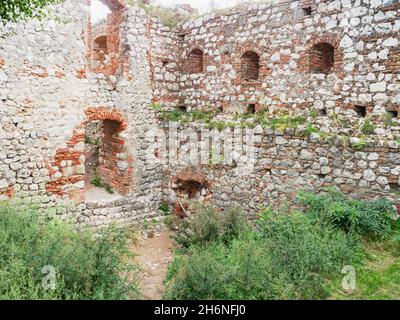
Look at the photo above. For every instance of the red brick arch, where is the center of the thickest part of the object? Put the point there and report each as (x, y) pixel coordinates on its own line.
(112, 30)
(191, 176)
(194, 61)
(62, 178)
(103, 113)
(238, 63)
(330, 39)
(114, 5)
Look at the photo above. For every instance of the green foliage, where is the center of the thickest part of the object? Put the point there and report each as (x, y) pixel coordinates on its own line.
(207, 225)
(367, 127)
(313, 113)
(239, 271)
(310, 129)
(164, 208)
(96, 181)
(176, 115)
(285, 258)
(87, 266)
(306, 251)
(294, 256)
(15, 10)
(109, 189)
(283, 122)
(378, 275)
(88, 140)
(364, 217)
(361, 144)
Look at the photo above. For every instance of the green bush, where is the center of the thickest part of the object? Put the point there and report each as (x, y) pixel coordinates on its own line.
(87, 266)
(208, 225)
(364, 217)
(286, 257)
(306, 251)
(241, 270)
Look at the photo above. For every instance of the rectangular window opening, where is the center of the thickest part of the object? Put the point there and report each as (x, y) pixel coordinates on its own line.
(361, 111)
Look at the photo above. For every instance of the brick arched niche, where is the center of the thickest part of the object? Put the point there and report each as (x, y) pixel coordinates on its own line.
(106, 156)
(194, 62)
(189, 186)
(322, 55)
(322, 58)
(69, 174)
(250, 66)
(104, 40)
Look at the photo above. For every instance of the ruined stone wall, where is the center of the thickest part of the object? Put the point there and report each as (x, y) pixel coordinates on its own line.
(163, 56)
(285, 163)
(363, 34)
(48, 93)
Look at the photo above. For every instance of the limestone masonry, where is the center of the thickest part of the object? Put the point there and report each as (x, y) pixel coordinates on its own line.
(78, 100)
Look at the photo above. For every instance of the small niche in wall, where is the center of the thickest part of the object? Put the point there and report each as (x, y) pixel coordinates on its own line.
(393, 113)
(195, 62)
(361, 111)
(394, 187)
(322, 58)
(322, 112)
(307, 11)
(251, 108)
(250, 66)
(165, 62)
(182, 108)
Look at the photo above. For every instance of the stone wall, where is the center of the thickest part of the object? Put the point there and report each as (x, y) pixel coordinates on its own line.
(48, 93)
(258, 57)
(364, 36)
(285, 163)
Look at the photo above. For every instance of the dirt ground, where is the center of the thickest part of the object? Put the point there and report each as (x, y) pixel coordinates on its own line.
(153, 254)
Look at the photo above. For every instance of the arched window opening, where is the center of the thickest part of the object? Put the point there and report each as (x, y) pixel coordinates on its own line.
(189, 187)
(195, 63)
(100, 51)
(250, 66)
(106, 17)
(322, 58)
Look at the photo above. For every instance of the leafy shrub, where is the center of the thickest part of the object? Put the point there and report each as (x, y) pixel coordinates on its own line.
(307, 252)
(23, 9)
(164, 208)
(285, 258)
(87, 266)
(239, 271)
(365, 217)
(207, 225)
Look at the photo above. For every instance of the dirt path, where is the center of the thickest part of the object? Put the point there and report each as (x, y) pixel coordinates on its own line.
(153, 254)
